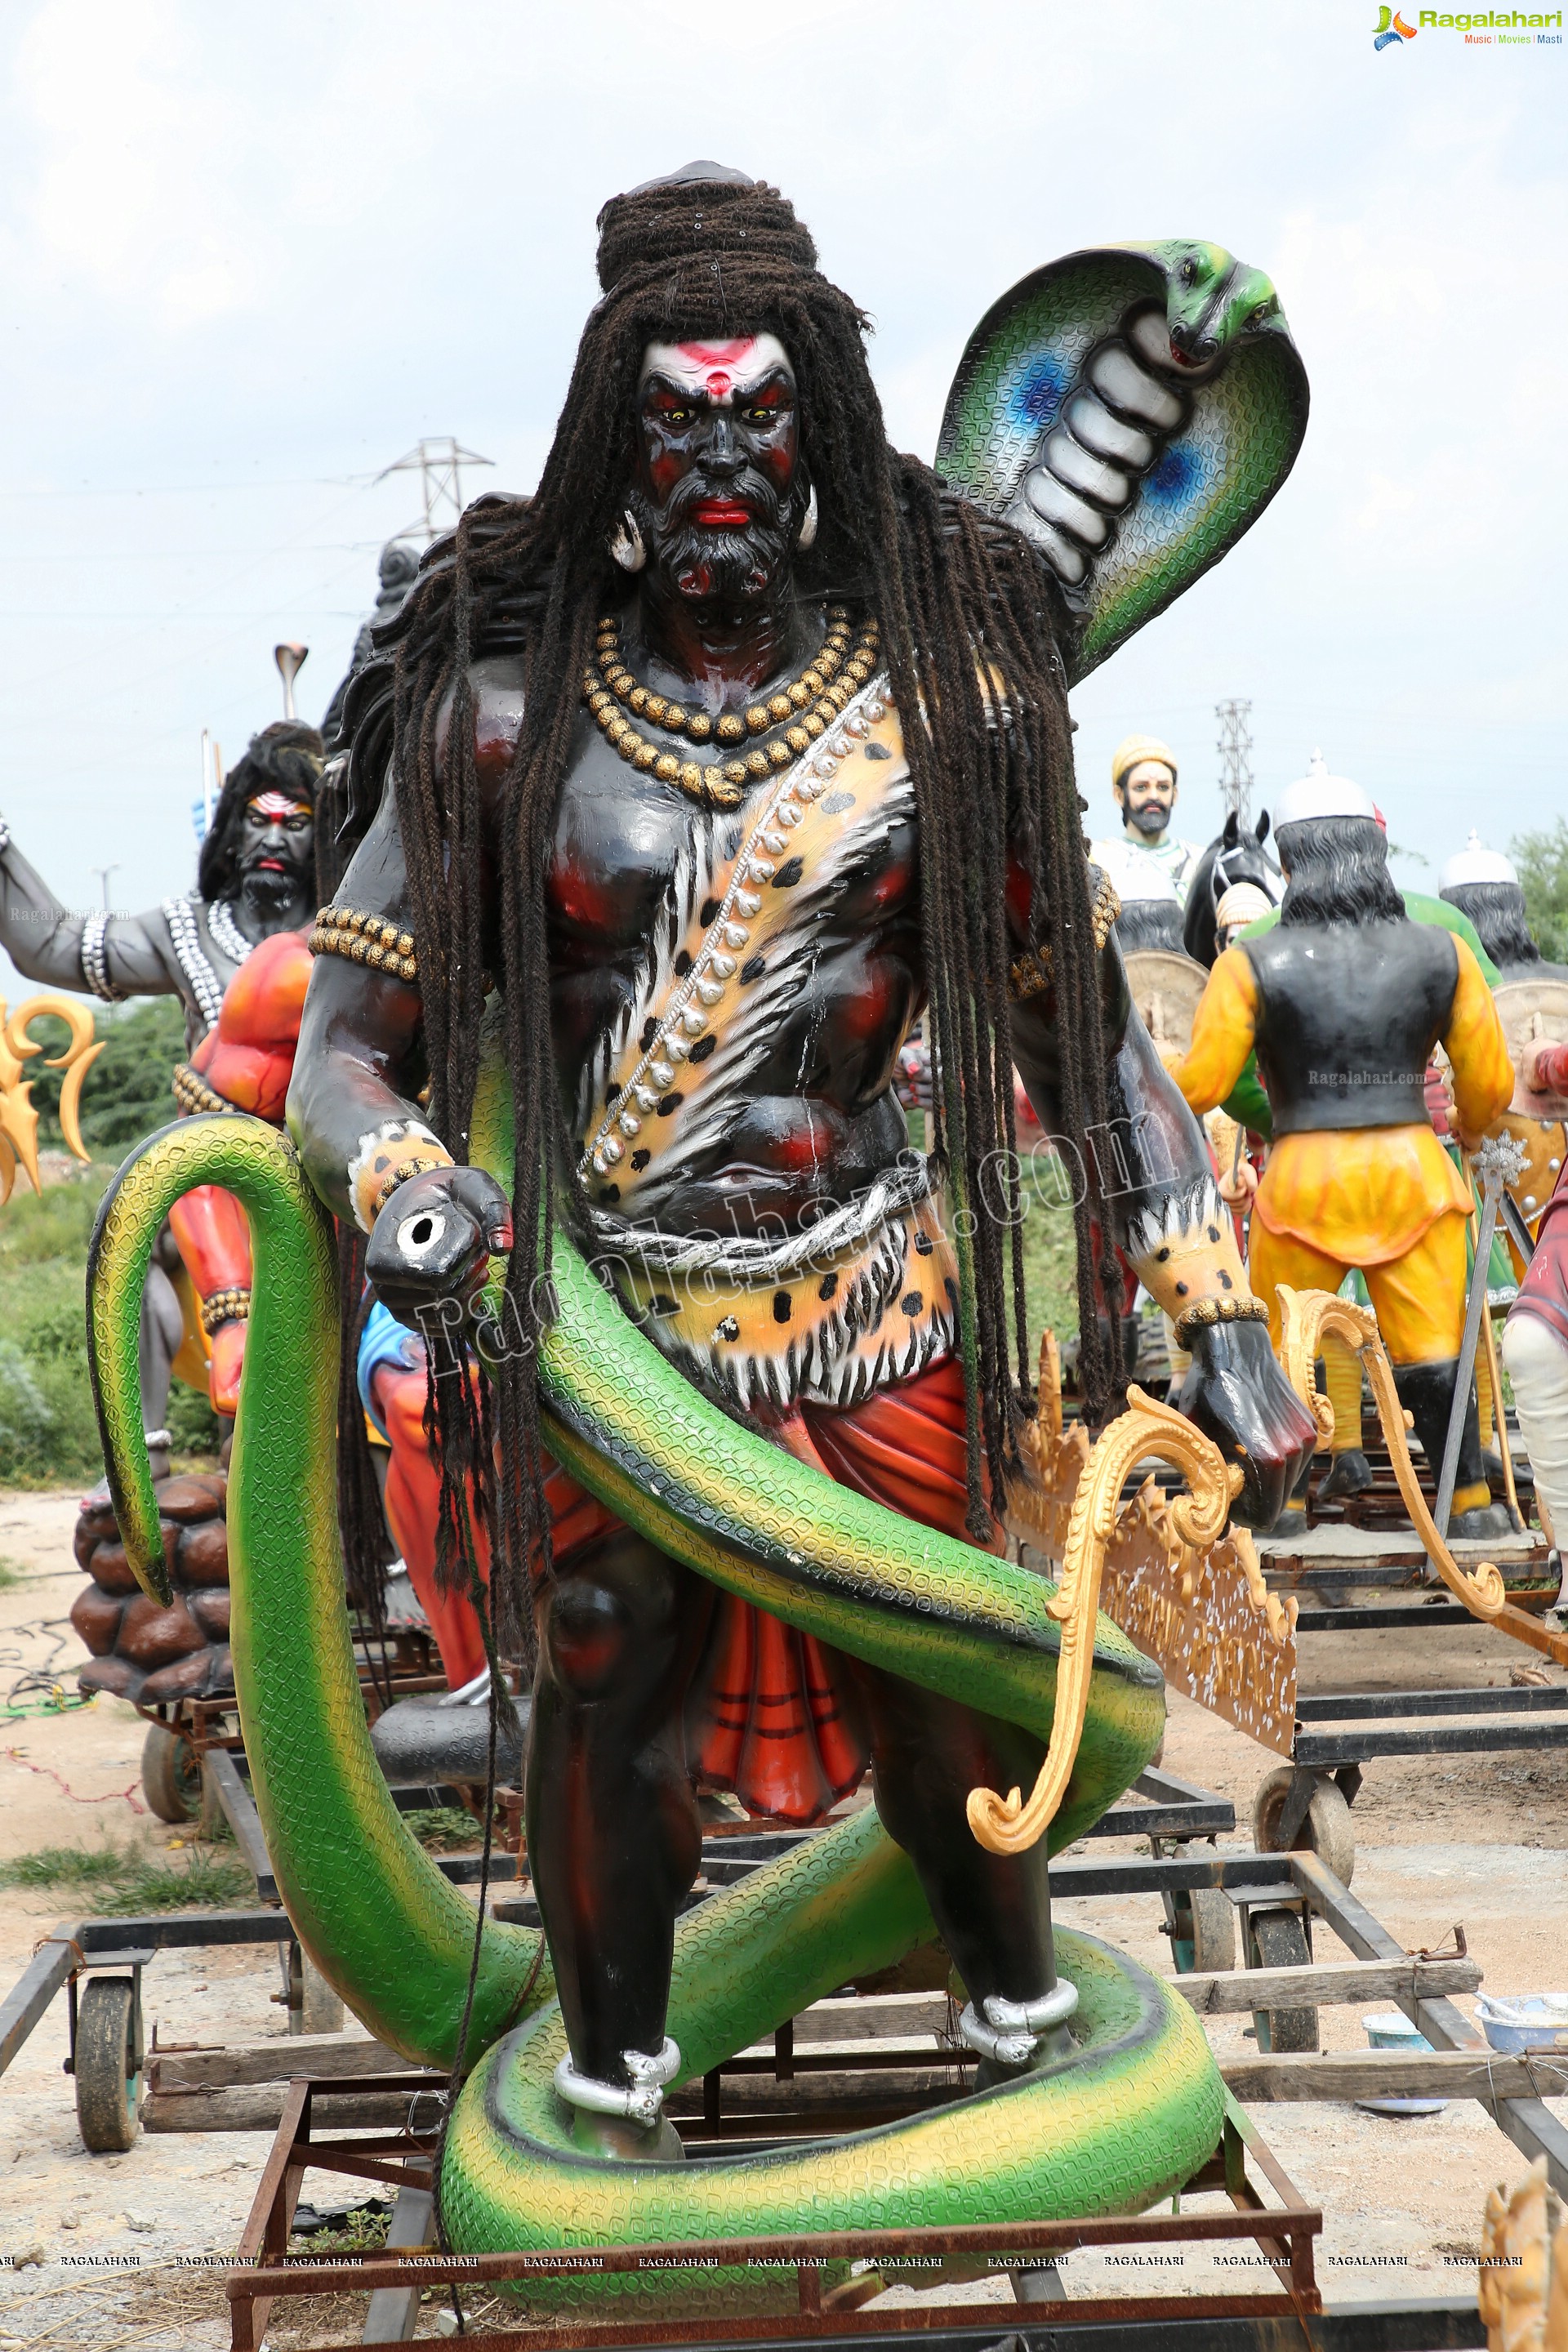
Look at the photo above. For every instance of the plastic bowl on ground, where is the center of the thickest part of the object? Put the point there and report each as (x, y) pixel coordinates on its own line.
(1392, 2030)
(1535, 2021)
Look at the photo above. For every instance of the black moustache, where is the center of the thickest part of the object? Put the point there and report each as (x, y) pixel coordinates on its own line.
(749, 488)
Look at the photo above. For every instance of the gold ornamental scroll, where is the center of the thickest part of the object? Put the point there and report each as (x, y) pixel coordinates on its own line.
(1307, 1318)
(1204, 1616)
(1204, 1622)
(18, 1119)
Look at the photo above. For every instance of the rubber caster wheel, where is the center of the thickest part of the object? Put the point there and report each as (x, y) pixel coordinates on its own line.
(1277, 1940)
(170, 1774)
(1327, 1831)
(1202, 1930)
(108, 2066)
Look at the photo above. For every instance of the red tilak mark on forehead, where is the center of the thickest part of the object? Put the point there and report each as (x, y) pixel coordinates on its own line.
(278, 804)
(716, 355)
(719, 366)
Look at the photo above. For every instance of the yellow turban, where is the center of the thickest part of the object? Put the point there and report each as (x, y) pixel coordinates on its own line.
(1134, 748)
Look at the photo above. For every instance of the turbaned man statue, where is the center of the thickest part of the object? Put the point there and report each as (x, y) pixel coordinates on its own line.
(575, 743)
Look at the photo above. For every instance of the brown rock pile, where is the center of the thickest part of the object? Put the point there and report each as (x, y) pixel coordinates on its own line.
(141, 1650)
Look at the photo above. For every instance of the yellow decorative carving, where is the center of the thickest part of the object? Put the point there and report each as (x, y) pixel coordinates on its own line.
(1522, 2283)
(1205, 1617)
(18, 1119)
(1308, 1318)
(1009, 1825)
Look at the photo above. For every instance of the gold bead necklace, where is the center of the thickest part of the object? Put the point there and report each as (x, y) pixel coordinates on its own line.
(788, 721)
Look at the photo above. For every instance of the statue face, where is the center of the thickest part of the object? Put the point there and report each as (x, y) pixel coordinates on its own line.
(276, 847)
(718, 449)
(1148, 794)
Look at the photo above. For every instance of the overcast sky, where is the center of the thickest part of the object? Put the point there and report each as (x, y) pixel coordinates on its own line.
(251, 255)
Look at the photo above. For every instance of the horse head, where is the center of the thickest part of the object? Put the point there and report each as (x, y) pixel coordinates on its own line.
(1233, 855)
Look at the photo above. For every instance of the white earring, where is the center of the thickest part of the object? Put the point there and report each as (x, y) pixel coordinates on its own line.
(806, 535)
(626, 546)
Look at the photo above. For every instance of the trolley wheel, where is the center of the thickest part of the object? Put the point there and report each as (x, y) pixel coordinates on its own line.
(108, 2066)
(1277, 1940)
(1202, 1928)
(170, 1774)
(1327, 1831)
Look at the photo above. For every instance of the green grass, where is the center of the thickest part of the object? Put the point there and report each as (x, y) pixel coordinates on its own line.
(122, 1882)
(9, 1572)
(363, 2232)
(444, 1829)
(48, 1435)
(1050, 1279)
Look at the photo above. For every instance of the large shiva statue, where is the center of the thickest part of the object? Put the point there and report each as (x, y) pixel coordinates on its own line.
(684, 789)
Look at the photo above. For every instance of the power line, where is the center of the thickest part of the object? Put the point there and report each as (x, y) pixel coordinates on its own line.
(1235, 749)
(439, 465)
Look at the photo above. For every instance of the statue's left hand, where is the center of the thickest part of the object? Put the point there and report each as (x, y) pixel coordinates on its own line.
(1237, 1394)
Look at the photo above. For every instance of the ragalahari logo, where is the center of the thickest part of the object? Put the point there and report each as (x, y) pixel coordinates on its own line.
(1392, 29)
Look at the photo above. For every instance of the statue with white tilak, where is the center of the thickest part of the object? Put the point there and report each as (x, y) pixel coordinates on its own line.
(1144, 787)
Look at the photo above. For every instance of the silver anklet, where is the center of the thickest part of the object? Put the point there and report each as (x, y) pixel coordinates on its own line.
(1010, 2030)
(640, 2102)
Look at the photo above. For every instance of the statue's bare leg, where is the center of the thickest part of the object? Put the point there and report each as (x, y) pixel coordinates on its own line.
(613, 1836)
(994, 1910)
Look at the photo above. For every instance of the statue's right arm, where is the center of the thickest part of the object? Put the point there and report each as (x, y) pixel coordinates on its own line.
(354, 1119)
(356, 1070)
(43, 939)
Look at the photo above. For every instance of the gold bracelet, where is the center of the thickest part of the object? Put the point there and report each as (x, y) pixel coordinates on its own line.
(364, 939)
(193, 1093)
(1205, 1313)
(405, 1171)
(231, 1306)
(1031, 973)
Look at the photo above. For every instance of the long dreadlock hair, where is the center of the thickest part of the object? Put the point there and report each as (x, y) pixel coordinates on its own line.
(969, 639)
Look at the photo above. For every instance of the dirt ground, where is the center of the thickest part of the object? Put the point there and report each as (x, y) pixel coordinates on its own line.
(124, 2251)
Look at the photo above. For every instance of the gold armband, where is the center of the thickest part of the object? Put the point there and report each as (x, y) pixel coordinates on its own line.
(231, 1306)
(193, 1093)
(365, 938)
(1031, 973)
(1205, 1313)
(404, 1170)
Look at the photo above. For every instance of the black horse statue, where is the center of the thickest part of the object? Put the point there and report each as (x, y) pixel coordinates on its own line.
(1232, 856)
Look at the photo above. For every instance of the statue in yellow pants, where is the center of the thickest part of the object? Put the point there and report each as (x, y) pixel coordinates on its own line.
(1344, 1000)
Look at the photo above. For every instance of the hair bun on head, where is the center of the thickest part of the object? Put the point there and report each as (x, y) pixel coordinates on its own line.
(703, 211)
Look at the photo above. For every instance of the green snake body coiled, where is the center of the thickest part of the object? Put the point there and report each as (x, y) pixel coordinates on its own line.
(1122, 2122)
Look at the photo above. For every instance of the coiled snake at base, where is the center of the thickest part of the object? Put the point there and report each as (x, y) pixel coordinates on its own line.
(1120, 2122)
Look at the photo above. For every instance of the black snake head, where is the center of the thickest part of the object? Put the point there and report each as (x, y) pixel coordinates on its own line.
(434, 1238)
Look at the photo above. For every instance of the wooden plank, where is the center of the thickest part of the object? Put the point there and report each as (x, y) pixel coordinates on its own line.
(277, 2060)
(394, 2313)
(262, 2108)
(1486, 2076)
(36, 1988)
(869, 2016)
(1327, 1984)
(1528, 2121)
(240, 1811)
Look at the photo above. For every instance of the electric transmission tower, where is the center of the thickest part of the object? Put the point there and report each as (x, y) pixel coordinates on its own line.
(439, 465)
(1235, 749)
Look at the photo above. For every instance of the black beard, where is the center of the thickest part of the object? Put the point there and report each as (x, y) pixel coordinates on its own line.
(1149, 819)
(734, 567)
(270, 892)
